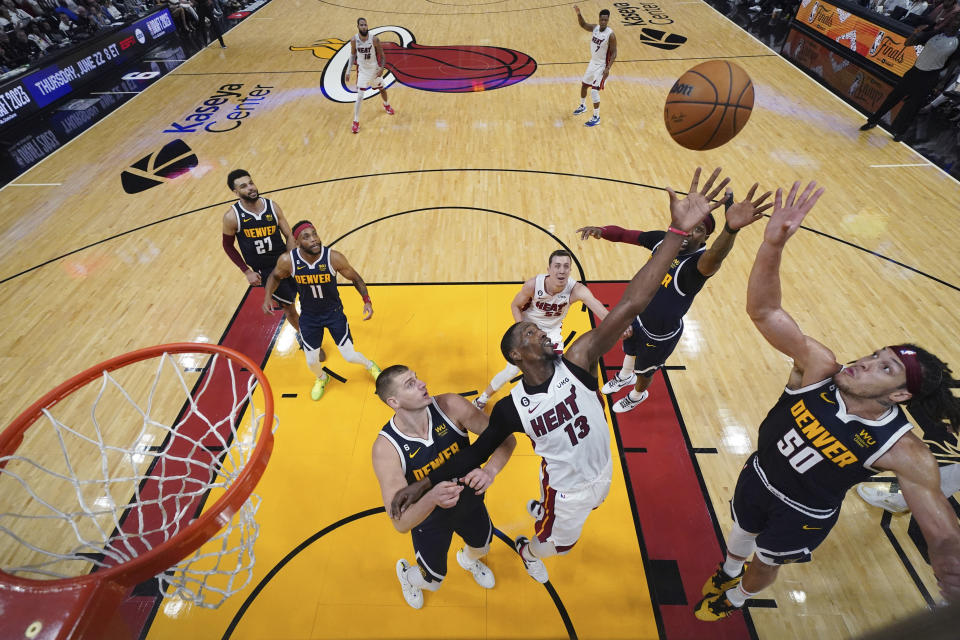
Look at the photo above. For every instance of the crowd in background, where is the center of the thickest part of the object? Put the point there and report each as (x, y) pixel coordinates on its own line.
(32, 29)
(935, 131)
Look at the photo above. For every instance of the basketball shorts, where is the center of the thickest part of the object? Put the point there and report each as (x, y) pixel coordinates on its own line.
(594, 75)
(367, 78)
(651, 353)
(286, 291)
(785, 533)
(565, 512)
(312, 327)
(431, 540)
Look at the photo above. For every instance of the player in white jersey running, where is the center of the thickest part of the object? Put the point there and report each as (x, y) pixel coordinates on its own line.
(557, 404)
(545, 301)
(366, 54)
(603, 51)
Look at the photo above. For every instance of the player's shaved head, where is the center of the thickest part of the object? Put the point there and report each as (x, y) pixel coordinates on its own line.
(387, 380)
(509, 341)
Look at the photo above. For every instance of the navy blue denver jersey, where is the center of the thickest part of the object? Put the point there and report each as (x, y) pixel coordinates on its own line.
(664, 314)
(420, 457)
(812, 451)
(259, 237)
(316, 283)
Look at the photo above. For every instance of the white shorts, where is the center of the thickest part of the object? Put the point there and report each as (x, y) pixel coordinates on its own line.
(369, 79)
(594, 75)
(565, 512)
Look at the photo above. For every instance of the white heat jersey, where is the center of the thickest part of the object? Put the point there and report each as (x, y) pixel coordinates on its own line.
(568, 429)
(366, 54)
(599, 43)
(547, 310)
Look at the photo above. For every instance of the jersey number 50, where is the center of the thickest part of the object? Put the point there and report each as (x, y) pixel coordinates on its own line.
(800, 455)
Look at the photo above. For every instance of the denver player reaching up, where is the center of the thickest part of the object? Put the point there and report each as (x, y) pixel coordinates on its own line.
(832, 427)
(557, 405)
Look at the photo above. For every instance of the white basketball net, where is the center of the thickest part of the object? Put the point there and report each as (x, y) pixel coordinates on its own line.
(127, 462)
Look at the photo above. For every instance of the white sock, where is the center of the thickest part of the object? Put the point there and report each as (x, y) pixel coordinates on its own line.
(472, 554)
(385, 103)
(627, 368)
(527, 553)
(583, 102)
(356, 106)
(636, 395)
(732, 567)
(738, 595)
(483, 397)
(596, 112)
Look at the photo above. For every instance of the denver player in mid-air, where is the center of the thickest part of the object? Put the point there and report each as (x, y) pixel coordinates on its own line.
(832, 427)
(424, 434)
(657, 331)
(557, 405)
(603, 51)
(263, 234)
(314, 268)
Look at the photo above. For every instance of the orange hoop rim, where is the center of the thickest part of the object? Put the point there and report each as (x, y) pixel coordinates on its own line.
(206, 525)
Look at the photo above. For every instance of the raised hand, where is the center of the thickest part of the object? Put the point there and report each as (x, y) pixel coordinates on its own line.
(789, 213)
(686, 213)
(747, 211)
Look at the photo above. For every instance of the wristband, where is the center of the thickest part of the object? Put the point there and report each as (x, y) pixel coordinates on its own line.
(726, 227)
(679, 232)
(366, 300)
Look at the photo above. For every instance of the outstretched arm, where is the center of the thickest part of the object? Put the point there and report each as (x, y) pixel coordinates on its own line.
(919, 480)
(339, 262)
(738, 216)
(763, 290)
(581, 293)
(475, 421)
(585, 25)
(611, 232)
(685, 214)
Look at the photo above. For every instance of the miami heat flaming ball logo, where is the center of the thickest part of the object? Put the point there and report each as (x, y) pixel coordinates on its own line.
(446, 69)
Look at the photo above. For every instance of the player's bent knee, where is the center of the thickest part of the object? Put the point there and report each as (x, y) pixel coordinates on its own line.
(595, 95)
(313, 356)
(741, 543)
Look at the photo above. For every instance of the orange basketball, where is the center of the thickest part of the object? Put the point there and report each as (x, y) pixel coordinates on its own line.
(708, 105)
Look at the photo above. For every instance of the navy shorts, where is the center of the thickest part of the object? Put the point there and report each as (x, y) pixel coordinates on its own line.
(650, 353)
(786, 534)
(431, 540)
(312, 327)
(286, 291)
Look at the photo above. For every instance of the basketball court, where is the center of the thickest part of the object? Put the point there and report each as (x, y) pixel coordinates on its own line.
(445, 209)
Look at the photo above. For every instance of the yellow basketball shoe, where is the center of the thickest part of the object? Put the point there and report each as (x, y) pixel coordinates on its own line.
(714, 607)
(319, 387)
(720, 582)
(374, 370)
